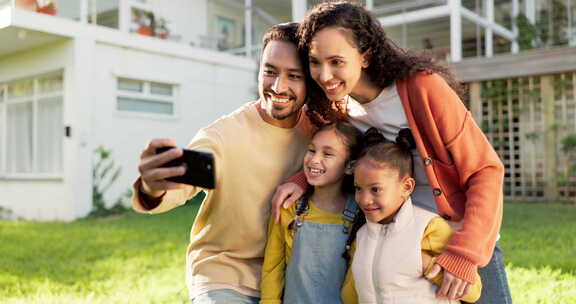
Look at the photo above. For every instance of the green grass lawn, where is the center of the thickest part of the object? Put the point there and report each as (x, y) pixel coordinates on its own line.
(140, 258)
(539, 243)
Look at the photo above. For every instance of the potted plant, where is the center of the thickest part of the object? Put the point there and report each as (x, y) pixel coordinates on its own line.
(146, 24)
(49, 8)
(162, 31)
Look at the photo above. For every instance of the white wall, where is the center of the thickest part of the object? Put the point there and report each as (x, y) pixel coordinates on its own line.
(185, 18)
(206, 92)
(41, 199)
(44, 200)
(210, 85)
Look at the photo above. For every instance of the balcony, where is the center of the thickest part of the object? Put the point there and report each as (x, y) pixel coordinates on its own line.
(451, 29)
(458, 29)
(230, 26)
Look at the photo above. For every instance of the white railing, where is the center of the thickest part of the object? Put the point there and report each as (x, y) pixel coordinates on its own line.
(404, 6)
(241, 51)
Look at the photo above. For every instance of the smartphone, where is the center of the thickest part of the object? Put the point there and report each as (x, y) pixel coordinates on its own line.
(199, 168)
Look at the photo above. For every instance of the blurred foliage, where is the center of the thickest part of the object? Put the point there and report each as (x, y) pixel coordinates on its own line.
(104, 173)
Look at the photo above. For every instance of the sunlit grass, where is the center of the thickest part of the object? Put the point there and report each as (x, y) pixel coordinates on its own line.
(541, 285)
(140, 258)
(133, 259)
(539, 243)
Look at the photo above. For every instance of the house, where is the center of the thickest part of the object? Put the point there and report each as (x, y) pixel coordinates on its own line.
(81, 74)
(91, 75)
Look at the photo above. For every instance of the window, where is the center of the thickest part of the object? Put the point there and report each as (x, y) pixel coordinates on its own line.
(31, 126)
(138, 96)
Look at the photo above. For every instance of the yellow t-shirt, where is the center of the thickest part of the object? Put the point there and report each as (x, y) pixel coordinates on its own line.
(279, 250)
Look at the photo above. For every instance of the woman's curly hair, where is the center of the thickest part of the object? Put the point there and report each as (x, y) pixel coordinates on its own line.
(387, 61)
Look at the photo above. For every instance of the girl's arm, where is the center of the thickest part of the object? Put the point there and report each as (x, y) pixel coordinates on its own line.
(348, 292)
(274, 266)
(436, 236)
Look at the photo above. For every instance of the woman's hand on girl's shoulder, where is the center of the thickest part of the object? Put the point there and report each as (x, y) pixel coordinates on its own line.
(285, 196)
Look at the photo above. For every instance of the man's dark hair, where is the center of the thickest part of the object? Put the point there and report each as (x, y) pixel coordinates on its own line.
(281, 32)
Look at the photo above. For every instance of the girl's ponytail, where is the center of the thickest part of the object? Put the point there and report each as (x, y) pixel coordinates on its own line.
(359, 220)
(395, 154)
(373, 137)
(405, 140)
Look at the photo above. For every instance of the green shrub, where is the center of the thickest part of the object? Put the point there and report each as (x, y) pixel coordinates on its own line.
(104, 173)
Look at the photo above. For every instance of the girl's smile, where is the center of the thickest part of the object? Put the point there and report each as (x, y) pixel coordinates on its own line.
(370, 210)
(315, 172)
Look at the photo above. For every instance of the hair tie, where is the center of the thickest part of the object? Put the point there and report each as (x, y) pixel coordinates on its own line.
(372, 137)
(405, 140)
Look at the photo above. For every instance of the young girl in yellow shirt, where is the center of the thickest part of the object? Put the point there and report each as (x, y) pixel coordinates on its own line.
(303, 261)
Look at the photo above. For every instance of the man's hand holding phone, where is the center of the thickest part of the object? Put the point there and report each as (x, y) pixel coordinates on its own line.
(199, 167)
(164, 167)
(153, 175)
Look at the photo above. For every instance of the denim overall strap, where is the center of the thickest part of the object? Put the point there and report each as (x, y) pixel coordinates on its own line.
(350, 210)
(316, 270)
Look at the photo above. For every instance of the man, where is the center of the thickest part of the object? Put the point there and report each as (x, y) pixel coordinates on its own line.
(255, 148)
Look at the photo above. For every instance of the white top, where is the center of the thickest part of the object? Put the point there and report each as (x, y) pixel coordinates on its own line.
(386, 114)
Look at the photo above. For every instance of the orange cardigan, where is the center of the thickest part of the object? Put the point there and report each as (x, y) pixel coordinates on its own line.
(464, 171)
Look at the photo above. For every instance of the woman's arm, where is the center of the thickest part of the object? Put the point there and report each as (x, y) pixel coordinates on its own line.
(436, 236)
(288, 193)
(479, 174)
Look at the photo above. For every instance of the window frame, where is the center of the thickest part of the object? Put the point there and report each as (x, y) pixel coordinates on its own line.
(35, 99)
(147, 95)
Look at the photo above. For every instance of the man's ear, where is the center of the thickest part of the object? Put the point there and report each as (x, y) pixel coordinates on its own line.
(350, 167)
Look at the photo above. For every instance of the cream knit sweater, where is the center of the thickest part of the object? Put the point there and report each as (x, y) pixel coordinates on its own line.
(228, 236)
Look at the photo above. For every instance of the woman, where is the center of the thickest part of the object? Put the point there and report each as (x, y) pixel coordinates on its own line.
(359, 73)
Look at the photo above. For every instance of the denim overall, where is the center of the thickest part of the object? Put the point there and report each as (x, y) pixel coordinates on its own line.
(316, 270)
